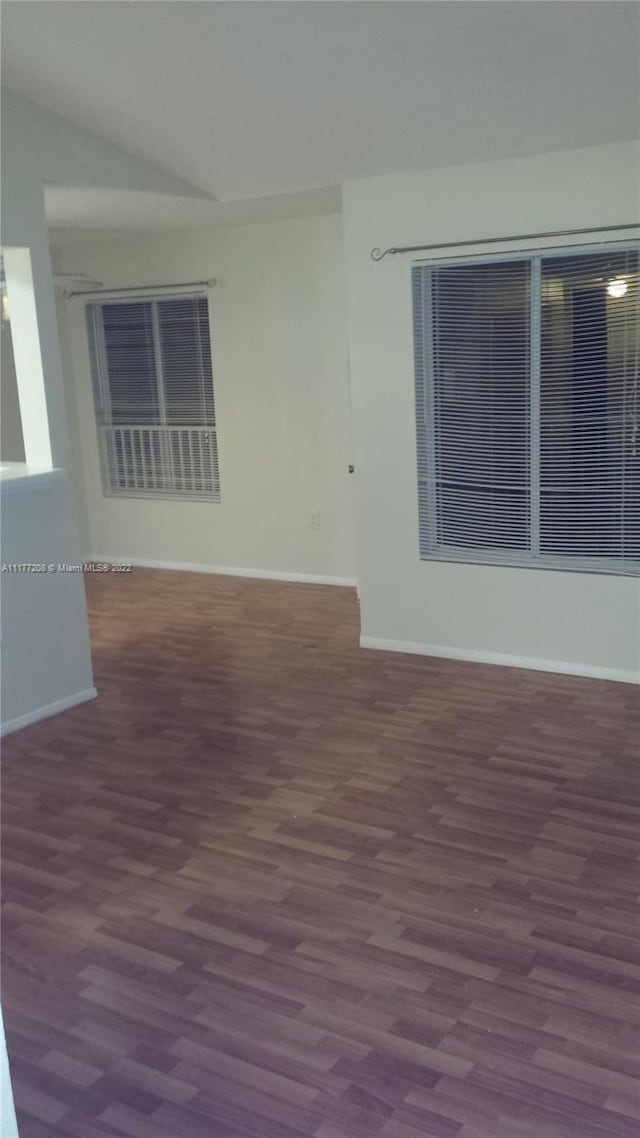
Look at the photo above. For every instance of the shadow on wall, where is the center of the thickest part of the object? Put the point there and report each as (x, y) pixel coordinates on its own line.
(24, 400)
(11, 440)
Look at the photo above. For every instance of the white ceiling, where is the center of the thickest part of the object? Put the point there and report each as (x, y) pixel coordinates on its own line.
(248, 100)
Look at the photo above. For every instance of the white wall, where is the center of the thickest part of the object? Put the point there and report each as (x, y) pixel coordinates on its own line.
(45, 658)
(36, 411)
(45, 644)
(8, 1125)
(583, 622)
(12, 442)
(281, 389)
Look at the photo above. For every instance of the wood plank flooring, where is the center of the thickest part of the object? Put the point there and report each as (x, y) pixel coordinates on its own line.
(273, 886)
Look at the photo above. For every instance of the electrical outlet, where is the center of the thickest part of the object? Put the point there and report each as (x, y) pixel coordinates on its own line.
(314, 519)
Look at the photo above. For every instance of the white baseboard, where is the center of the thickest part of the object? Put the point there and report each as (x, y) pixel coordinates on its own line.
(46, 711)
(226, 570)
(565, 667)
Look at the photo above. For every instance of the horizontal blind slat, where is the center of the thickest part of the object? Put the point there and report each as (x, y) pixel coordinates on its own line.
(153, 381)
(479, 427)
(472, 344)
(589, 384)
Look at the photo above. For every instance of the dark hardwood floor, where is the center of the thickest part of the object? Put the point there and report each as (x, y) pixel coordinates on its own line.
(269, 885)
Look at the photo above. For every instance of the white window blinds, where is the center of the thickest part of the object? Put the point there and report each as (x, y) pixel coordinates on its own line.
(153, 385)
(527, 406)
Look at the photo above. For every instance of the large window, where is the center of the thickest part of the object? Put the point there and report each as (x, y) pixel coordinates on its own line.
(153, 385)
(528, 410)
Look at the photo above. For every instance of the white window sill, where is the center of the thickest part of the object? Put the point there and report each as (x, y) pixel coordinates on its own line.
(19, 476)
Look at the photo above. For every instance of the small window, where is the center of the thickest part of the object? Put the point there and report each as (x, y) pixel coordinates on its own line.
(153, 387)
(528, 409)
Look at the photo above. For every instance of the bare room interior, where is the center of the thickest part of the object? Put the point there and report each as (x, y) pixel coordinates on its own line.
(320, 505)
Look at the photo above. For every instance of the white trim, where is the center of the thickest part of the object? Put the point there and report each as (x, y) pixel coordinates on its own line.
(48, 709)
(225, 570)
(565, 667)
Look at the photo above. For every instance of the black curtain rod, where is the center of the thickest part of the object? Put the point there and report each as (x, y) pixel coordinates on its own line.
(141, 288)
(377, 254)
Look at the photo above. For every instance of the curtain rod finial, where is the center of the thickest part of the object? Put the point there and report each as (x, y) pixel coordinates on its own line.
(377, 254)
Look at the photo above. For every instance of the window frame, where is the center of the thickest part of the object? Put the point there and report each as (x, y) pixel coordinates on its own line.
(103, 411)
(424, 387)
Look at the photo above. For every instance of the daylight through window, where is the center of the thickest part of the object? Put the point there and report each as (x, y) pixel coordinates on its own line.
(153, 385)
